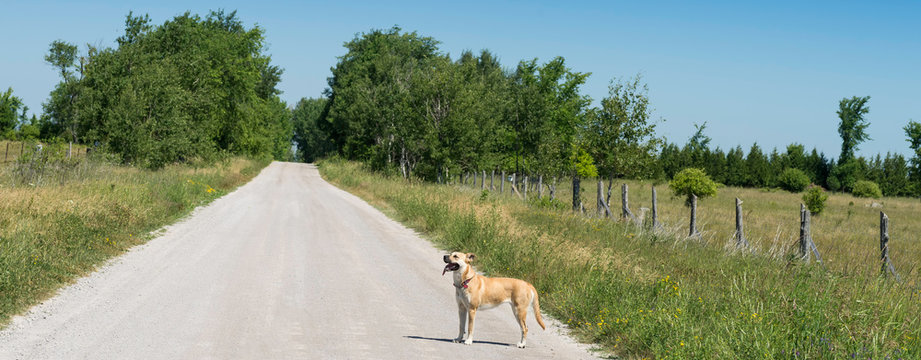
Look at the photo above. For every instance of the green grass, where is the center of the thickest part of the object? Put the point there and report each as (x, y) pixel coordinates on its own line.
(641, 295)
(62, 222)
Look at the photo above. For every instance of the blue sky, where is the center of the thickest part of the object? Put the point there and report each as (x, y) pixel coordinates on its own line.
(770, 73)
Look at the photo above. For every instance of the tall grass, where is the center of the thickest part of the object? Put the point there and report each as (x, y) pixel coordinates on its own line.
(89, 211)
(657, 295)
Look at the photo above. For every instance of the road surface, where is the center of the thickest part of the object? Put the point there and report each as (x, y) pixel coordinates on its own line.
(286, 267)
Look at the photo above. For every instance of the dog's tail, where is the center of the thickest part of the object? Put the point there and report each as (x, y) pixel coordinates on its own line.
(536, 306)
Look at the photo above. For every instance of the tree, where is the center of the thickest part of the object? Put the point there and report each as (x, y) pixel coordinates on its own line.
(853, 125)
(312, 141)
(10, 106)
(692, 181)
(793, 180)
(697, 147)
(190, 88)
(758, 167)
(736, 169)
(371, 112)
(546, 114)
(620, 135)
(60, 106)
(913, 132)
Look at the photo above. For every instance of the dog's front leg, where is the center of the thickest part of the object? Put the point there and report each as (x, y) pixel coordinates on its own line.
(471, 313)
(462, 319)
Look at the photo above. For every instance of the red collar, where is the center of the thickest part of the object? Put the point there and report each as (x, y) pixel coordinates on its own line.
(463, 285)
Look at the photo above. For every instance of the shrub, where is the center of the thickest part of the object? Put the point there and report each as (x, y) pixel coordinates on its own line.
(815, 198)
(866, 188)
(691, 181)
(794, 180)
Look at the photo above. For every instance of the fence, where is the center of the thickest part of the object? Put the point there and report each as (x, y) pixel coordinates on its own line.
(11, 151)
(804, 249)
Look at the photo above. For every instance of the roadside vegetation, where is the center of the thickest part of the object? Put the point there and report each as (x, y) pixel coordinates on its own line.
(641, 294)
(65, 220)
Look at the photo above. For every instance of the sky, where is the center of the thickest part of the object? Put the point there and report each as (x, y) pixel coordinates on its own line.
(768, 72)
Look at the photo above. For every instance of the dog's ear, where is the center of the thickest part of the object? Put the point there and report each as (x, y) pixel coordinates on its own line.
(470, 257)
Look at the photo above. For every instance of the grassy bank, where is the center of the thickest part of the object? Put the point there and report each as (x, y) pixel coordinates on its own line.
(61, 222)
(643, 295)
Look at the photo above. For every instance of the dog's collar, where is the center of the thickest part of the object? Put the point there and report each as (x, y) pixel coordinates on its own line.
(463, 285)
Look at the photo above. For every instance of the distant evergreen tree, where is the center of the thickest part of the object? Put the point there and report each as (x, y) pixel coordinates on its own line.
(736, 168)
(759, 168)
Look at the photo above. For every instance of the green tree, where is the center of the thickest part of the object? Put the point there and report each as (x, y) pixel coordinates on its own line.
(853, 126)
(793, 180)
(814, 199)
(758, 167)
(866, 188)
(913, 134)
(546, 114)
(371, 112)
(692, 181)
(620, 134)
(60, 106)
(736, 170)
(312, 141)
(10, 105)
(190, 88)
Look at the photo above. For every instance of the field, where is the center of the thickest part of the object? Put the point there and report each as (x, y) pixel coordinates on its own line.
(61, 219)
(846, 233)
(638, 294)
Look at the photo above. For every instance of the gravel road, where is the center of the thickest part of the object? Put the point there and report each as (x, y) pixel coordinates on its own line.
(285, 267)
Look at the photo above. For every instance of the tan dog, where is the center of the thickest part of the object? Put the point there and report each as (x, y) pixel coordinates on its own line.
(476, 292)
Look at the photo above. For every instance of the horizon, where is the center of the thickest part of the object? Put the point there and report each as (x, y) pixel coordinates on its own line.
(771, 75)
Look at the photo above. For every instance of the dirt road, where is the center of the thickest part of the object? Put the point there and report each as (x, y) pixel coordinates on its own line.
(286, 267)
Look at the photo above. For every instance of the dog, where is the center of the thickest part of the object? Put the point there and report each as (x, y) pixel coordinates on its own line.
(475, 292)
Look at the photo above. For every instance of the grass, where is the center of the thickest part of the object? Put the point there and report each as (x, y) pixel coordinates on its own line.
(639, 294)
(11, 151)
(62, 222)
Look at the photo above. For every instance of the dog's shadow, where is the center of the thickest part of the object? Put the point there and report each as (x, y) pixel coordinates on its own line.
(452, 340)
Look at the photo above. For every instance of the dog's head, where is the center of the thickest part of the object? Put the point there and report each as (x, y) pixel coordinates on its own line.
(457, 261)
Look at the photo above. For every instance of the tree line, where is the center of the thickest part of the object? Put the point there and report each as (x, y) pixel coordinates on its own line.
(398, 103)
(198, 87)
(190, 88)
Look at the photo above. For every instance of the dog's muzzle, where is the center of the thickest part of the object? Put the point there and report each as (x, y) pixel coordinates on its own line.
(450, 267)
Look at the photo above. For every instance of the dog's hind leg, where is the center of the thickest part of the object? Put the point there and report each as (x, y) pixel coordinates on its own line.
(521, 313)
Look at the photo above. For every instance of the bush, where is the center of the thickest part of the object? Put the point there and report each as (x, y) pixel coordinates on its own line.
(866, 188)
(691, 181)
(815, 198)
(793, 180)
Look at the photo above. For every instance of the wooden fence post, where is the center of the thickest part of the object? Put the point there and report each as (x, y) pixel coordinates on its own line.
(886, 265)
(552, 188)
(625, 208)
(483, 181)
(804, 232)
(474, 177)
(655, 210)
(600, 203)
(740, 234)
(502, 183)
(540, 186)
(7, 154)
(492, 178)
(693, 226)
(576, 199)
(70, 148)
(525, 192)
